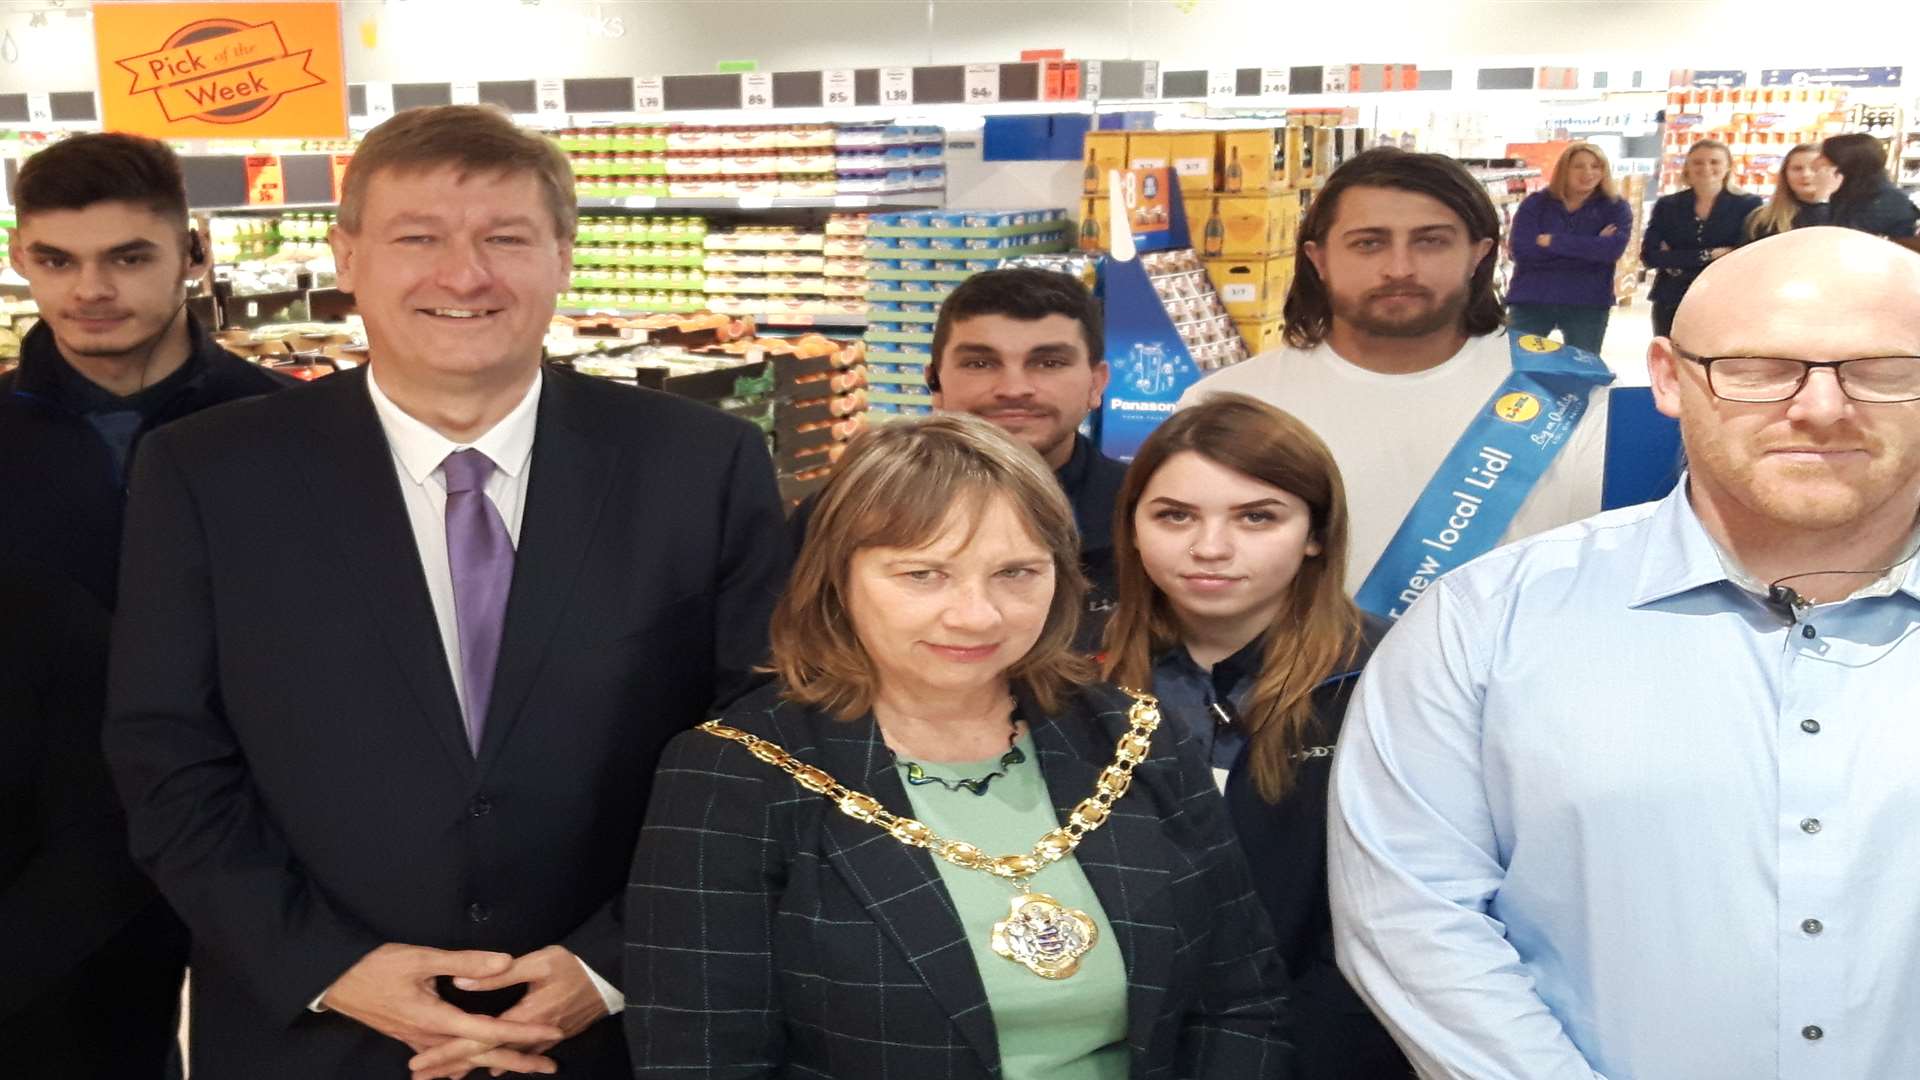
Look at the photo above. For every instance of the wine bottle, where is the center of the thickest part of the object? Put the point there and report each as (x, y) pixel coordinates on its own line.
(1214, 242)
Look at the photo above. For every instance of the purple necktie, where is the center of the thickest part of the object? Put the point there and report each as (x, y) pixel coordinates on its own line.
(480, 554)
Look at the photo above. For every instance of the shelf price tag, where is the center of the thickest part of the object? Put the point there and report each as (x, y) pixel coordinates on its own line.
(40, 108)
(982, 84)
(1337, 79)
(650, 94)
(550, 97)
(379, 101)
(339, 164)
(265, 184)
(1223, 85)
(756, 90)
(836, 88)
(1150, 79)
(466, 93)
(1275, 82)
(896, 86)
(1090, 83)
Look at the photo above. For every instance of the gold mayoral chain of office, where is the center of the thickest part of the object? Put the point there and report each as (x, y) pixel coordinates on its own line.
(1039, 933)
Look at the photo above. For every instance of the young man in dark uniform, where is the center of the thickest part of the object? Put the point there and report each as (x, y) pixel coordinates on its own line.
(104, 244)
(1024, 348)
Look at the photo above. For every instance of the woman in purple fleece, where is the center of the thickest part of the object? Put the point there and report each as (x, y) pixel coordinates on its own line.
(1565, 242)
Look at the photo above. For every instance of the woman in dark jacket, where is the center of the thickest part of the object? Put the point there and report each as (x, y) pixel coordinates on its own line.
(1231, 539)
(1800, 192)
(1690, 228)
(1866, 199)
(1565, 242)
(1059, 896)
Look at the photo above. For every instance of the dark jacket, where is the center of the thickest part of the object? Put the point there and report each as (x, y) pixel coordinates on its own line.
(1577, 267)
(283, 725)
(1336, 1036)
(825, 948)
(1805, 216)
(96, 938)
(1688, 240)
(1883, 211)
(62, 481)
(1092, 482)
(93, 958)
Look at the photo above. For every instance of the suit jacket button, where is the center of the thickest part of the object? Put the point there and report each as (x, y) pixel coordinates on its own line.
(478, 912)
(481, 806)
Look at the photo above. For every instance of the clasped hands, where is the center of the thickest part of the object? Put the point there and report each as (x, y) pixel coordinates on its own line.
(391, 990)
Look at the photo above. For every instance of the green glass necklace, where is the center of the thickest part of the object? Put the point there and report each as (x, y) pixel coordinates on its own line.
(917, 776)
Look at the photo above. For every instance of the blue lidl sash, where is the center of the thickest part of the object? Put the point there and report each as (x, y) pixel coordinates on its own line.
(1471, 500)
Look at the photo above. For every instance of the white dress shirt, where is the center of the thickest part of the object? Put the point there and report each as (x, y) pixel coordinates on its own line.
(418, 451)
(1599, 810)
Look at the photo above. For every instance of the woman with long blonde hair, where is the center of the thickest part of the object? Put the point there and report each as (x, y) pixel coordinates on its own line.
(1692, 227)
(1800, 192)
(1565, 241)
(1230, 544)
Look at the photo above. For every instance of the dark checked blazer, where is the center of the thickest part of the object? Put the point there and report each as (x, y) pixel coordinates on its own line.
(769, 935)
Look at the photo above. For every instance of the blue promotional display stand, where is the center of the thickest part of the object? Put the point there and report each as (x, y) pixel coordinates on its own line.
(1148, 362)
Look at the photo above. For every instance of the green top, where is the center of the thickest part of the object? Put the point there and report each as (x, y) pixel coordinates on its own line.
(1049, 1029)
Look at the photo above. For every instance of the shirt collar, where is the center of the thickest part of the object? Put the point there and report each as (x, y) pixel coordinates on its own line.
(1681, 556)
(508, 444)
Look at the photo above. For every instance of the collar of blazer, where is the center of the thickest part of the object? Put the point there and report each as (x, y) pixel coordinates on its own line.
(1129, 861)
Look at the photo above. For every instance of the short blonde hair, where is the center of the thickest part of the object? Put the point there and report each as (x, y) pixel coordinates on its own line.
(1562, 181)
(472, 139)
(899, 486)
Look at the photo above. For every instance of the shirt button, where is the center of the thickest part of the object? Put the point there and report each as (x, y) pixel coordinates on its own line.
(1811, 727)
(481, 806)
(1812, 926)
(1812, 1033)
(478, 912)
(1810, 825)
(1808, 631)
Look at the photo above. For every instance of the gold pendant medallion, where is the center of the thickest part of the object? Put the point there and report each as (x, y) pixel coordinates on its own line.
(1044, 936)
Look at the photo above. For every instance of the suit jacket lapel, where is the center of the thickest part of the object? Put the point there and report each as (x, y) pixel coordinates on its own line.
(1073, 749)
(899, 884)
(567, 489)
(349, 469)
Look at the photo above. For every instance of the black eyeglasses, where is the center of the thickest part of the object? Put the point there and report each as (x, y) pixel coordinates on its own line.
(1756, 380)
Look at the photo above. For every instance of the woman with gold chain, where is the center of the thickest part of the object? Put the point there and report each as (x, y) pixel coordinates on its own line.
(932, 847)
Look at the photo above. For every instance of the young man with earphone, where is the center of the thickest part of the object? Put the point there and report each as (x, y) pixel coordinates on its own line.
(92, 983)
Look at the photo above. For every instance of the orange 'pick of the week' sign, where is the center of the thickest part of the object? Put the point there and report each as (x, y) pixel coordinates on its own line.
(221, 71)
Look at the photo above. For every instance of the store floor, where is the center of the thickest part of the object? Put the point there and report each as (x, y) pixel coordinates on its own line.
(1629, 331)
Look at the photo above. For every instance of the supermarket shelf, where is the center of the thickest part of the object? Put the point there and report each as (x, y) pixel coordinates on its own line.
(904, 199)
(816, 322)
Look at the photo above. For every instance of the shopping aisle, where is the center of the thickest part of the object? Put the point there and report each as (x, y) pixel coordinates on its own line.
(1629, 332)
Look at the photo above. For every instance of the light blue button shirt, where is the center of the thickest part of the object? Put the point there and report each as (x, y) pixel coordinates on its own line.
(1597, 810)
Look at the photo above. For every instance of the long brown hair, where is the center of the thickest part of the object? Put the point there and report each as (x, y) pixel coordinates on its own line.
(1778, 215)
(900, 486)
(1316, 632)
(1309, 305)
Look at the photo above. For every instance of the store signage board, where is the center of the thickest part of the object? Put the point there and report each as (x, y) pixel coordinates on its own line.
(836, 87)
(650, 94)
(1726, 78)
(1275, 82)
(228, 71)
(896, 86)
(465, 93)
(982, 84)
(1840, 76)
(756, 90)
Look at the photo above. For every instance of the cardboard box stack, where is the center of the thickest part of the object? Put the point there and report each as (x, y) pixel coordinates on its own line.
(638, 262)
(820, 403)
(784, 271)
(1243, 193)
